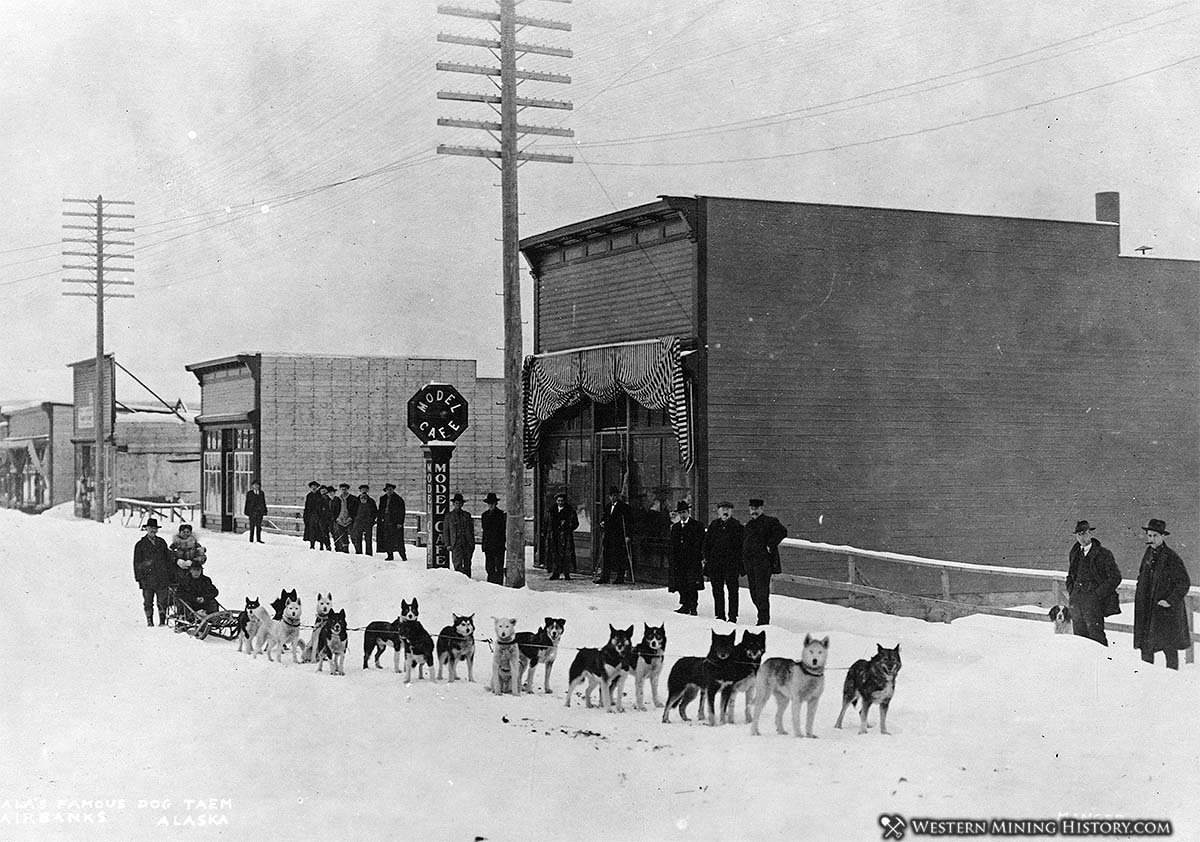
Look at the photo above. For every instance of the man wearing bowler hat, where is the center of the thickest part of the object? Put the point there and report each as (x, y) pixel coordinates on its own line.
(723, 559)
(458, 535)
(686, 573)
(493, 523)
(760, 555)
(1092, 581)
(390, 536)
(1159, 610)
(154, 571)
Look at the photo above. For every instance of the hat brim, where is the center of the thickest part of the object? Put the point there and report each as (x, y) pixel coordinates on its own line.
(1152, 529)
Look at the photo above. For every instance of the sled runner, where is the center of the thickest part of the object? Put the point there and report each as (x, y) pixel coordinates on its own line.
(184, 618)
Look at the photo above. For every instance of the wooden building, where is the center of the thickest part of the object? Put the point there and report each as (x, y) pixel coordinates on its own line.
(36, 462)
(947, 385)
(152, 451)
(292, 418)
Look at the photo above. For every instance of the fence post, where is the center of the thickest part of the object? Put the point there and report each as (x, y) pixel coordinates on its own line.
(852, 578)
(1057, 592)
(1190, 604)
(946, 591)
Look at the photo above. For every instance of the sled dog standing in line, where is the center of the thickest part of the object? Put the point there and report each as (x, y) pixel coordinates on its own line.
(872, 682)
(540, 647)
(792, 682)
(456, 643)
(607, 667)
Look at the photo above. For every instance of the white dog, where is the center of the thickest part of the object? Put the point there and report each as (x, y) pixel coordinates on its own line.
(275, 634)
(506, 657)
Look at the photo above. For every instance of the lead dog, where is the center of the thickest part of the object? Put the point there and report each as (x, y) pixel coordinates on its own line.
(455, 644)
(872, 681)
(540, 647)
(506, 657)
(279, 633)
(331, 643)
(649, 655)
(792, 682)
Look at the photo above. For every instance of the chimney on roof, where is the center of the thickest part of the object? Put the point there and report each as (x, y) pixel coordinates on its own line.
(1108, 207)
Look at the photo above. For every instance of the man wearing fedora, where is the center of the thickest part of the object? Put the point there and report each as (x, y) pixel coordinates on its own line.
(558, 532)
(493, 523)
(458, 535)
(154, 571)
(686, 573)
(723, 559)
(313, 503)
(1092, 581)
(255, 510)
(390, 536)
(341, 512)
(616, 544)
(1159, 610)
(362, 529)
(760, 556)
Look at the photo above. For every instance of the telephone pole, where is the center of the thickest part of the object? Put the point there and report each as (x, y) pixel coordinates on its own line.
(97, 268)
(506, 23)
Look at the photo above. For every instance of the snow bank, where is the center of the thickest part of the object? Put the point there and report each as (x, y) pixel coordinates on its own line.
(162, 736)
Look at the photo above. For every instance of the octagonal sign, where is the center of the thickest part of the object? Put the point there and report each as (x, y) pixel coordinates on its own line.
(437, 412)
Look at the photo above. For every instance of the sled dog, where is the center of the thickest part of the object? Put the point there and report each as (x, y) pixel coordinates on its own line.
(649, 655)
(456, 643)
(690, 675)
(418, 645)
(331, 643)
(248, 622)
(740, 679)
(606, 667)
(872, 682)
(506, 657)
(276, 634)
(324, 606)
(380, 633)
(540, 647)
(792, 682)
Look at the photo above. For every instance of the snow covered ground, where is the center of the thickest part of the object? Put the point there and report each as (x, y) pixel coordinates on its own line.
(114, 731)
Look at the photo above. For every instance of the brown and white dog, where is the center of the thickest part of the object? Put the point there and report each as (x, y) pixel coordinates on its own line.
(1061, 615)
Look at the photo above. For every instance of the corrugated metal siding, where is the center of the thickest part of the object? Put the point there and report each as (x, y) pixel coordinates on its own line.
(950, 386)
(619, 296)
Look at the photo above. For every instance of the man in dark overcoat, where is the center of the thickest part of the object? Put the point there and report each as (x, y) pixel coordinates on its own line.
(458, 535)
(723, 559)
(686, 573)
(615, 527)
(558, 530)
(198, 591)
(1092, 581)
(313, 502)
(390, 536)
(494, 523)
(154, 571)
(325, 517)
(341, 512)
(1159, 607)
(362, 528)
(256, 509)
(760, 556)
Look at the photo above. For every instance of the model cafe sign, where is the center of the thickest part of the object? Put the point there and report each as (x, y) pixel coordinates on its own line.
(437, 415)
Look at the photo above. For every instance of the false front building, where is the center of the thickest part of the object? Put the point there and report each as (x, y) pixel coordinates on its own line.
(946, 385)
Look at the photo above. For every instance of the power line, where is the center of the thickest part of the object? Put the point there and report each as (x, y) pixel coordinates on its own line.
(898, 135)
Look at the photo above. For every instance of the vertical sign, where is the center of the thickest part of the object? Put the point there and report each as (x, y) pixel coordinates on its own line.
(437, 415)
(437, 485)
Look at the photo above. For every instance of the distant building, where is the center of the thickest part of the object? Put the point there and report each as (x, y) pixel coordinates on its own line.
(947, 385)
(36, 462)
(152, 452)
(292, 418)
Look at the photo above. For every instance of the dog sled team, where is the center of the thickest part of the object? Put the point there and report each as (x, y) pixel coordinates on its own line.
(730, 668)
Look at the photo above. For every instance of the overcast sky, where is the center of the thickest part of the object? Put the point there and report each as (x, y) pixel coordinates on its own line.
(228, 120)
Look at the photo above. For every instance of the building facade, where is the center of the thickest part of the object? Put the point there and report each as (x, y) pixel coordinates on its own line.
(292, 418)
(946, 385)
(151, 451)
(36, 462)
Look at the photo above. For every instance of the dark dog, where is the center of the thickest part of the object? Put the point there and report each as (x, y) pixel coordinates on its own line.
(648, 663)
(418, 644)
(607, 667)
(380, 633)
(284, 598)
(247, 626)
(742, 671)
(874, 682)
(456, 643)
(540, 647)
(690, 676)
(331, 643)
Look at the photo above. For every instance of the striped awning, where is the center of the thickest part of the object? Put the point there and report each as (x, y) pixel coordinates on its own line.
(649, 371)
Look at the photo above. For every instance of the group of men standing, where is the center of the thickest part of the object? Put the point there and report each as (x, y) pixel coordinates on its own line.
(458, 536)
(334, 521)
(722, 553)
(1159, 608)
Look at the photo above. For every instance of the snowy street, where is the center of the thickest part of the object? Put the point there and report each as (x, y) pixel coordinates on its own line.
(112, 730)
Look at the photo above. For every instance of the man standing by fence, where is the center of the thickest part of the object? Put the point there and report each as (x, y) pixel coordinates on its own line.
(1160, 606)
(342, 511)
(1092, 582)
(760, 555)
(312, 514)
(390, 537)
(362, 530)
(255, 510)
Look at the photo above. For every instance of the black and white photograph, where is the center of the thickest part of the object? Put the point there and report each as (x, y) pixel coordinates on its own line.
(489, 420)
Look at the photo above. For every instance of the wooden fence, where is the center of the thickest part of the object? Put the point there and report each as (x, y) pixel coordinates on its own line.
(1051, 581)
(289, 520)
(131, 509)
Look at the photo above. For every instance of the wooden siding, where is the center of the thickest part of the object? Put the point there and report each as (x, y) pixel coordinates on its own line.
(344, 419)
(950, 386)
(227, 395)
(639, 293)
(62, 454)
